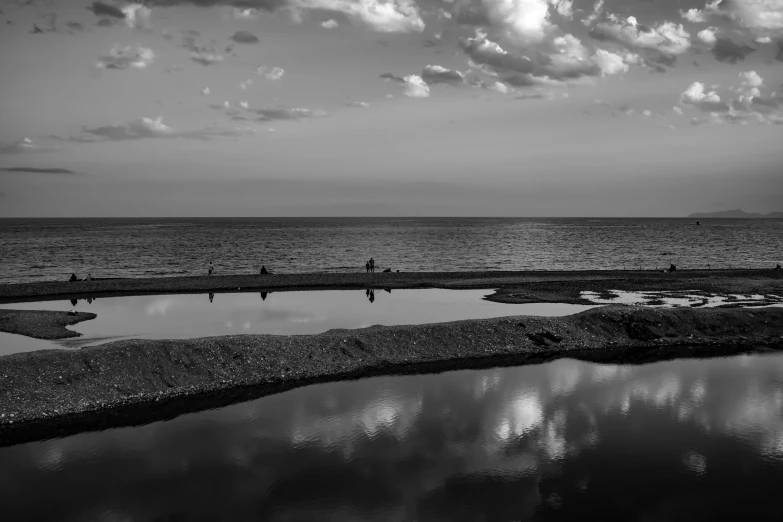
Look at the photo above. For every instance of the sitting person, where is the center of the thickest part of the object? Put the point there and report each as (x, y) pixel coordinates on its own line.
(88, 278)
(73, 278)
(672, 268)
(777, 267)
(264, 270)
(387, 270)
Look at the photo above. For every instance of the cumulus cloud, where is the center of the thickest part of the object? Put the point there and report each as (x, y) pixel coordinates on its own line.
(147, 128)
(381, 15)
(206, 58)
(695, 16)
(415, 87)
(678, 111)
(570, 61)
(245, 84)
(661, 43)
(205, 91)
(137, 16)
(244, 37)
(330, 24)
(22, 146)
(598, 8)
(438, 74)
(498, 87)
(698, 97)
(126, 57)
(244, 14)
(274, 73)
(708, 36)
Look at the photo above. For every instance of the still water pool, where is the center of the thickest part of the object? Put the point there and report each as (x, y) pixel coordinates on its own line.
(180, 316)
(682, 440)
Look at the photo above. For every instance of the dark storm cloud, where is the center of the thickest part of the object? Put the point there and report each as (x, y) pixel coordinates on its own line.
(726, 50)
(244, 37)
(105, 9)
(105, 22)
(35, 170)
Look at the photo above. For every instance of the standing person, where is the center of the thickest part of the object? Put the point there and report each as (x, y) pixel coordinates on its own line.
(367, 266)
(211, 268)
(372, 265)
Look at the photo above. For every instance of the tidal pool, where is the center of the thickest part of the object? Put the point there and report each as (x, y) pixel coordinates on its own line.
(178, 316)
(674, 441)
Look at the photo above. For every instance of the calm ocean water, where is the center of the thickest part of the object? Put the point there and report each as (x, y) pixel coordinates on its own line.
(51, 249)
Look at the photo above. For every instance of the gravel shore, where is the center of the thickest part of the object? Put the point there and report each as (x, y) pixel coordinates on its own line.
(51, 393)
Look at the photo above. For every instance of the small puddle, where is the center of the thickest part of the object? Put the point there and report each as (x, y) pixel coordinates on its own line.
(180, 316)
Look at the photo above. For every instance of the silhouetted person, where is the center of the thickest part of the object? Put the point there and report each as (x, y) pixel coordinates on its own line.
(73, 278)
(211, 269)
(372, 265)
(698, 223)
(367, 266)
(263, 295)
(264, 271)
(672, 268)
(211, 296)
(73, 302)
(387, 270)
(777, 267)
(88, 278)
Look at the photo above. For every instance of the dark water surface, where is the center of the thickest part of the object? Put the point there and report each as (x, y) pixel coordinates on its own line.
(47, 249)
(187, 316)
(672, 441)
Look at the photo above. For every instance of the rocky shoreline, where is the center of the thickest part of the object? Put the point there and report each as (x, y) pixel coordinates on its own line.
(53, 393)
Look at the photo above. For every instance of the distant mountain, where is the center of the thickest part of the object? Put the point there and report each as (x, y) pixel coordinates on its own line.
(735, 214)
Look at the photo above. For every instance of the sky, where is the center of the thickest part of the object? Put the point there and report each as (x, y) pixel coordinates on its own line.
(390, 107)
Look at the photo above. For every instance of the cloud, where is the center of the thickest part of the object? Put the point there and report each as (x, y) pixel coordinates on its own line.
(25, 145)
(36, 170)
(148, 128)
(694, 16)
(498, 87)
(392, 77)
(661, 43)
(598, 8)
(244, 14)
(360, 104)
(696, 96)
(137, 16)
(570, 61)
(708, 36)
(726, 50)
(438, 74)
(244, 37)
(205, 91)
(388, 16)
(245, 84)
(757, 15)
(126, 57)
(106, 9)
(274, 74)
(678, 111)
(206, 58)
(330, 24)
(288, 114)
(415, 87)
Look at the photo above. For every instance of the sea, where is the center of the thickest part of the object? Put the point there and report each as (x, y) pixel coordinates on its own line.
(51, 249)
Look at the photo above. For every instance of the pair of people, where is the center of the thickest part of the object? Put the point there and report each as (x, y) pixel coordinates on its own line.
(369, 266)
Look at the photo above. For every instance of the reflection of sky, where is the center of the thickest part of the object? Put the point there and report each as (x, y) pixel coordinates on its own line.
(281, 313)
(702, 439)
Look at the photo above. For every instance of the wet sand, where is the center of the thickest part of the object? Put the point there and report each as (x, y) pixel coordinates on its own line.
(53, 392)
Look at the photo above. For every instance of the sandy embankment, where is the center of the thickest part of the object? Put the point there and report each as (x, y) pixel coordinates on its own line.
(48, 393)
